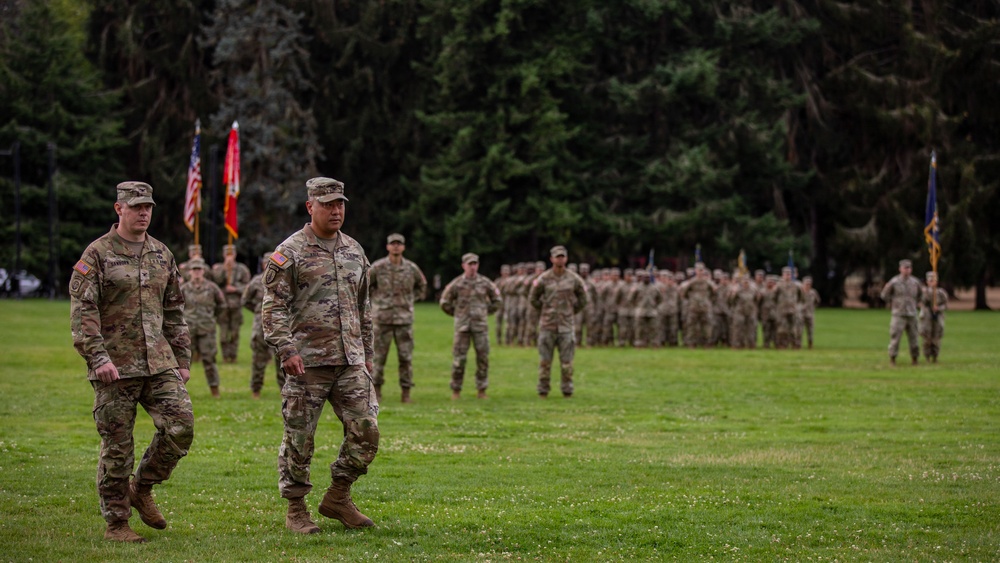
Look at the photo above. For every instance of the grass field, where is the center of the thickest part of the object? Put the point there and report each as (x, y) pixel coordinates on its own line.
(822, 455)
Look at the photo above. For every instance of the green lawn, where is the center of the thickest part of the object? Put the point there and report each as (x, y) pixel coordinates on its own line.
(821, 455)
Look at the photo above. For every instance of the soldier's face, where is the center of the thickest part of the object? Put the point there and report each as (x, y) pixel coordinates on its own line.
(470, 268)
(197, 275)
(327, 217)
(134, 218)
(905, 270)
(395, 248)
(558, 261)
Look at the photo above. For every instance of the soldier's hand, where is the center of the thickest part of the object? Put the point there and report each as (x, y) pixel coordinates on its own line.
(294, 365)
(107, 373)
(185, 375)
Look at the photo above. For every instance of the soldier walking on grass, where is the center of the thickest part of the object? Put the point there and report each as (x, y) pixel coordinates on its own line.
(232, 277)
(127, 319)
(933, 304)
(558, 295)
(470, 298)
(395, 284)
(902, 293)
(317, 315)
(203, 303)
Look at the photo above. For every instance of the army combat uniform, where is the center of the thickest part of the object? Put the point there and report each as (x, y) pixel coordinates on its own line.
(263, 354)
(902, 293)
(127, 309)
(557, 298)
(470, 301)
(203, 302)
(394, 287)
(232, 280)
(931, 321)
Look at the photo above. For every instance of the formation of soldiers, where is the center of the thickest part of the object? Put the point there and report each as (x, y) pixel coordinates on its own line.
(656, 308)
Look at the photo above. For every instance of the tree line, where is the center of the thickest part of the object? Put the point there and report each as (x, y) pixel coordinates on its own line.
(614, 127)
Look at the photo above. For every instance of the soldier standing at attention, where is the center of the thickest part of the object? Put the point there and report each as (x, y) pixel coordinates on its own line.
(933, 303)
(263, 354)
(194, 251)
(470, 298)
(395, 284)
(558, 295)
(587, 331)
(127, 319)
(504, 311)
(647, 299)
(787, 298)
(902, 293)
(606, 299)
(317, 315)
(203, 302)
(744, 301)
(809, 309)
(233, 278)
(699, 295)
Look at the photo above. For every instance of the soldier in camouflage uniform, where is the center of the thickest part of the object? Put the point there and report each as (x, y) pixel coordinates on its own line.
(902, 293)
(263, 354)
(194, 251)
(203, 302)
(670, 307)
(513, 304)
(646, 302)
(720, 311)
(317, 316)
(744, 303)
(586, 327)
(607, 299)
(699, 295)
(127, 319)
(768, 318)
(809, 309)
(395, 284)
(531, 318)
(626, 310)
(470, 298)
(502, 314)
(933, 304)
(558, 294)
(232, 277)
(786, 300)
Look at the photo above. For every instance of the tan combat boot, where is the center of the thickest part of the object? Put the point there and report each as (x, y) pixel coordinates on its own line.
(337, 504)
(481, 394)
(298, 519)
(215, 391)
(406, 395)
(456, 395)
(141, 497)
(120, 531)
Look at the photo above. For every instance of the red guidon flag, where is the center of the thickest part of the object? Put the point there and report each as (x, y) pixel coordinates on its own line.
(192, 199)
(231, 178)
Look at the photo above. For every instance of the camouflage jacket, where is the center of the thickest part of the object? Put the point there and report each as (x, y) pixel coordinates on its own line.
(470, 301)
(647, 300)
(809, 305)
(202, 305)
(253, 294)
(926, 303)
(316, 302)
(902, 295)
(557, 298)
(787, 297)
(393, 290)
(127, 309)
(698, 294)
(239, 277)
(671, 303)
(744, 302)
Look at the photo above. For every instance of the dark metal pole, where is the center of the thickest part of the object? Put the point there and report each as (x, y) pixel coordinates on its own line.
(53, 253)
(213, 174)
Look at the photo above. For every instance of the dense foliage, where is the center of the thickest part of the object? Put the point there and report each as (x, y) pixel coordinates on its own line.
(504, 127)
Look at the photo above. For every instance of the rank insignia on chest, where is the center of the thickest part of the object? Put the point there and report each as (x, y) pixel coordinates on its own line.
(279, 258)
(83, 267)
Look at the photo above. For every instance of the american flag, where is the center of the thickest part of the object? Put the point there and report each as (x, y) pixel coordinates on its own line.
(192, 199)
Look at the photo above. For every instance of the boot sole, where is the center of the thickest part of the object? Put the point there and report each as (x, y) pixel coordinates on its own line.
(333, 515)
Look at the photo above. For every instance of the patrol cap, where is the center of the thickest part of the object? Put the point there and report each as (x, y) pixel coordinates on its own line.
(196, 264)
(931, 276)
(395, 237)
(572, 267)
(758, 272)
(134, 193)
(325, 189)
(905, 263)
(470, 258)
(584, 267)
(807, 279)
(786, 269)
(558, 250)
(194, 250)
(229, 249)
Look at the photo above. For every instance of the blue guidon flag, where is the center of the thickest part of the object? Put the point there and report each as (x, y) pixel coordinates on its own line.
(932, 224)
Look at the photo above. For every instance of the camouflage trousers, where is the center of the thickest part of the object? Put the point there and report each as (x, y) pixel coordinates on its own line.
(742, 331)
(263, 354)
(460, 353)
(784, 330)
(229, 332)
(669, 328)
(720, 329)
(403, 335)
(768, 332)
(646, 333)
(529, 335)
(931, 332)
(807, 327)
(698, 328)
(513, 314)
(501, 317)
(351, 392)
(608, 323)
(897, 326)
(578, 320)
(548, 341)
(204, 344)
(166, 400)
(626, 329)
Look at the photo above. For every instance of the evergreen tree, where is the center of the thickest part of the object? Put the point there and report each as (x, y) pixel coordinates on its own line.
(49, 93)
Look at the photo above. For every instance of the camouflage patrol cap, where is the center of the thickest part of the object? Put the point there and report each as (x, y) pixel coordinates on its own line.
(558, 250)
(786, 269)
(194, 250)
(395, 237)
(135, 193)
(629, 272)
(470, 258)
(758, 272)
(807, 279)
(572, 267)
(905, 263)
(229, 249)
(680, 276)
(325, 189)
(930, 276)
(584, 267)
(504, 268)
(196, 264)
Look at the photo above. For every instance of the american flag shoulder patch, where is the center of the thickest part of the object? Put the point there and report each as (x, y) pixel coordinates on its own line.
(83, 267)
(279, 258)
